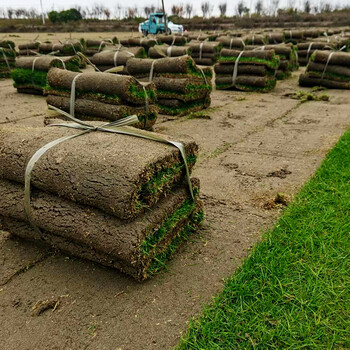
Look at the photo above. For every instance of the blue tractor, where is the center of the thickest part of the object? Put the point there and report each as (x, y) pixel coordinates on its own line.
(156, 25)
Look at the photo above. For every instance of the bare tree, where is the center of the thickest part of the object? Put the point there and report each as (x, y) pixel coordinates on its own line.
(223, 9)
(10, 13)
(177, 10)
(189, 8)
(241, 8)
(205, 8)
(147, 11)
(307, 6)
(259, 7)
(107, 13)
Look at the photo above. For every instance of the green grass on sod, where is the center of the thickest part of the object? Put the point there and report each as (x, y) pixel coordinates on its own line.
(293, 292)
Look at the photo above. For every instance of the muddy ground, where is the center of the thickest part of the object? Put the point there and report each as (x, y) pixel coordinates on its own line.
(252, 147)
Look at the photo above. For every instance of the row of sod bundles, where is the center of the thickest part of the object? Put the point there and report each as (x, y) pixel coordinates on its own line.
(178, 40)
(287, 54)
(305, 50)
(102, 96)
(256, 70)
(204, 52)
(30, 73)
(7, 62)
(146, 43)
(327, 69)
(29, 49)
(181, 86)
(111, 58)
(119, 200)
(95, 46)
(160, 51)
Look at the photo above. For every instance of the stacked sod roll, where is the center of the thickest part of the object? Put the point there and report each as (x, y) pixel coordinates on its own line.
(146, 43)
(275, 38)
(111, 58)
(102, 96)
(7, 59)
(29, 49)
(178, 40)
(96, 46)
(293, 36)
(287, 54)
(30, 73)
(255, 70)
(229, 42)
(119, 200)
(160, 51)
(305, 50)
(329, 69)
(204, 52)
(181, 86)
(67, 48)
(254, 39)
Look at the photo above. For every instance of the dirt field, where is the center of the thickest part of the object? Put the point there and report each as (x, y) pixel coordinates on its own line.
(252, 146)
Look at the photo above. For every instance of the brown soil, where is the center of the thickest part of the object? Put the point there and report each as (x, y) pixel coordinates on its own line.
(254, 147)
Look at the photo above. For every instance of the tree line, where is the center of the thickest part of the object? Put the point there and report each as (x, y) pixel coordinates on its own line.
(100, 12)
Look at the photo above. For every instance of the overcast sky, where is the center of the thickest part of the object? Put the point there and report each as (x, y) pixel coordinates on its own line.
(112, 4)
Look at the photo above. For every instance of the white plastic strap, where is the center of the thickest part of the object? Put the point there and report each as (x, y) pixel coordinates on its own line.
(168, 51)
(5, 58)
(72, 95)
(235, 69)
(151, 71)
(200, 50)
(308, 51)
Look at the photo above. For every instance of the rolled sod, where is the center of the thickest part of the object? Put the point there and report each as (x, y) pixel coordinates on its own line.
(121, 87)
(173, 66)
(93, 110)
(112, 59)
(248, 80)
(229, 42)
(28, 52)
(33, 45)
(27, 80)
(315, 46)
(293, 35)
(245, 69)
(205, 47)
(338, 58)
(275, 38)
(173, 106)
(181, 85)
(177, 40)
(307, 81)
(7, 44)
(254, 39)
(160, 51)
(144, 42)
(341, 71)
(139, 248)
(266, 57)
(119, 174)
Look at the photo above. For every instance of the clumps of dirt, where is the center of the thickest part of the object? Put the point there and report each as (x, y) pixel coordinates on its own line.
(281, 173)
(305, 96)
(44, 305)
(279, 201)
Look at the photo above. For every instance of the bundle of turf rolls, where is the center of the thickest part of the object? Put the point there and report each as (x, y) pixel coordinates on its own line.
(146, 43)
(204, 52)
(96, 46)
(178, 40)
(305, 50)
(181, 86)
(255, 70)
(329, 69)
(30, 73)
(102, 96)
(287, 54)
(160, 51)
(67, 48)
(110, 58)
(119, 200)
(29, 49)
(7, 58)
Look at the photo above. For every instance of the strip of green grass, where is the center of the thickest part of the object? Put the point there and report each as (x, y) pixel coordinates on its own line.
(293, 291)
